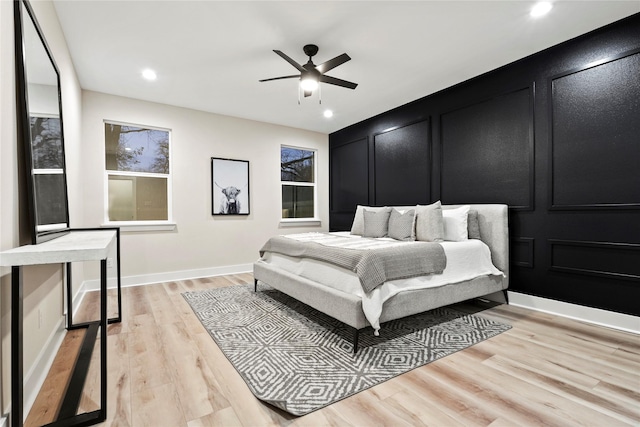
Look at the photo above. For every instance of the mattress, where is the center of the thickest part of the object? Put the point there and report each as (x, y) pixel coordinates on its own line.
(465, 261)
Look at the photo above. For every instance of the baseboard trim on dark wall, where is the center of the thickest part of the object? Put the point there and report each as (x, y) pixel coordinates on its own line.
(595, 316)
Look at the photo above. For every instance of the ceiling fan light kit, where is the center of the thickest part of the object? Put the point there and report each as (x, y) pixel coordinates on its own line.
(312, 75)
(308, 83)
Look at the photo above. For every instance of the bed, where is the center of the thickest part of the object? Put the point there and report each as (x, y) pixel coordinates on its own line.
(333, 289)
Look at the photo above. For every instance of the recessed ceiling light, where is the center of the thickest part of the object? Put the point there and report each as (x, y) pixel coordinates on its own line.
(328, 113)
(149, 74)
(540, 9)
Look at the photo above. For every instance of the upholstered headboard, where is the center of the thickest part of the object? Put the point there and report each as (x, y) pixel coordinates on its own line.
(493, 220)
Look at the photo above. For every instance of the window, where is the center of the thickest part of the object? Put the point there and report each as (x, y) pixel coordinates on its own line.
(298, 180)
(138, 173)
(48, 172)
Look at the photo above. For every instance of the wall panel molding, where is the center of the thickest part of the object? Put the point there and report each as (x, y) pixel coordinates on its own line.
(522, 251)
(402, 164)
(594, 123)
(487, 151)
(349, 176)
(603, 259)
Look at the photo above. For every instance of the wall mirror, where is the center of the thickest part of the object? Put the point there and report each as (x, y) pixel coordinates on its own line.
(39, 111)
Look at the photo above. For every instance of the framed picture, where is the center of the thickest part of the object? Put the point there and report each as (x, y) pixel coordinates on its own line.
(229, 187)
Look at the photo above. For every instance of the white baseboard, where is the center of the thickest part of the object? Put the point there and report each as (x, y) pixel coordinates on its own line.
(34, 378)
(609, 319)
(147, 279)
(596, 316)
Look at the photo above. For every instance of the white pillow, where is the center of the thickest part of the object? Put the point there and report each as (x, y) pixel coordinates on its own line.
(455, 223)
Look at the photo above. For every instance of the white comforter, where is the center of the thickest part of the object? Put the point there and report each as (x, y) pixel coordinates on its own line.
(465, 260)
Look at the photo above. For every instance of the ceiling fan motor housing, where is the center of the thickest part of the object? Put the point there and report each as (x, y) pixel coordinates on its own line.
(310, 50)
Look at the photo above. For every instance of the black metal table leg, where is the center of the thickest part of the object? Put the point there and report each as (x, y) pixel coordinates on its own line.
(103, 339)
(119, 318)
(68, 283)
(16, 347)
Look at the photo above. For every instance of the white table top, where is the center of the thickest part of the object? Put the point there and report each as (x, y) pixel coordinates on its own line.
(74, 246)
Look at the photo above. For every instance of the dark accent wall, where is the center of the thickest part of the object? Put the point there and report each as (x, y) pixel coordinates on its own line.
(555, 135)
(476, 140)
(400, 165)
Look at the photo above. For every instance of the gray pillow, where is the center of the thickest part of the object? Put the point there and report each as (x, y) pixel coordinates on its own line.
(429, 223)
(473, 226)
(376, 223)
(357, 227)
(401, 225)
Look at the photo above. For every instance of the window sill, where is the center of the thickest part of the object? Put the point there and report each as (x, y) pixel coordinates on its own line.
(300, 222)
(131, 226)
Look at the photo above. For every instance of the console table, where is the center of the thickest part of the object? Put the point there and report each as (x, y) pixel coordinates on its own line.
(77, 245)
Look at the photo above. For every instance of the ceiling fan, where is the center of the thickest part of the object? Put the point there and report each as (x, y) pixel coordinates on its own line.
(312, 75)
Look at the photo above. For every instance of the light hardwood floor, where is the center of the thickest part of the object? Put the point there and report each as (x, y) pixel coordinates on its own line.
(165, 370)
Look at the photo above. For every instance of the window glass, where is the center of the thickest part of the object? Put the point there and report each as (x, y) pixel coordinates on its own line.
(46, 143)
(297, 165)
(50, 192)
(298, 178)
(136, 149)
(138, 173)
(137, 198)
(297, 202)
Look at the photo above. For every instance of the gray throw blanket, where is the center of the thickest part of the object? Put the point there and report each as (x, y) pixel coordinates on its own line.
(372, 266)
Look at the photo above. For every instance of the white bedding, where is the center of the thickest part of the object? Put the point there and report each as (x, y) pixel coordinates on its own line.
(465, 260)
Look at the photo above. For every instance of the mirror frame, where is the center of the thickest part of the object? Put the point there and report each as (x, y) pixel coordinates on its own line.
(38, 234)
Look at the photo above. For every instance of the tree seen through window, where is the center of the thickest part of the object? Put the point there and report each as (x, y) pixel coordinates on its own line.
(136, 149)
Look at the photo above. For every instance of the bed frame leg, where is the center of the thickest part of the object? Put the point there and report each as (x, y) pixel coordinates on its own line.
(255, 285)
(506, 296)
(356, 332)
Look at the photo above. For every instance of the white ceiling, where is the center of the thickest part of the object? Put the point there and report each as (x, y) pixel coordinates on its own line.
(209, 55)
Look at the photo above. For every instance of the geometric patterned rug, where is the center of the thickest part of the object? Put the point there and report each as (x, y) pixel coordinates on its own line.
(300, 360)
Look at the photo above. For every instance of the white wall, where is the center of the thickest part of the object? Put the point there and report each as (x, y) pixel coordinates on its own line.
(43, 288)
(200, 241)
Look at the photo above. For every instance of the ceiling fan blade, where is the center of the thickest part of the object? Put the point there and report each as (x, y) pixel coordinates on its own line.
(338, 82)
(280, 78)
(289, 60)
(333, 63)
(307, 93)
